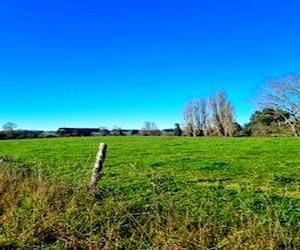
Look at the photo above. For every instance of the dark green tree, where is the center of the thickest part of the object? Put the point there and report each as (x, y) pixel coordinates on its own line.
(178, 130)
(268, 121)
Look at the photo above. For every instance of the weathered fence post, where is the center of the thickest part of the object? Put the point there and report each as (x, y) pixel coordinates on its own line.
(100, 158)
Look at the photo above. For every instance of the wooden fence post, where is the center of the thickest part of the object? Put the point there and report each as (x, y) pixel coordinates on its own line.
(100, 158)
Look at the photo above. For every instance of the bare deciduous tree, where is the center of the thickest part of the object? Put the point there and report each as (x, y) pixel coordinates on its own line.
(150, 128)
(228, 120)
(221, 120)
(196, 117)
(222, 114)
(216, 114)
(283, 94)
(203, 112)
(191, 118)
(9, 126)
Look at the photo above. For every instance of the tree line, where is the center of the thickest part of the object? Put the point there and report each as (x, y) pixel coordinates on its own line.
(277, 113)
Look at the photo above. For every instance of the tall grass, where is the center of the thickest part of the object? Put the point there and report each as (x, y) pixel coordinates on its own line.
(158, 208)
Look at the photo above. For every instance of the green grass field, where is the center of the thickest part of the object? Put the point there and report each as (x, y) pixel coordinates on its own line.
(155, 193)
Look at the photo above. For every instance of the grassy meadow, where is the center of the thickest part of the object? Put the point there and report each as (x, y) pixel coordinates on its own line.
(154, 193)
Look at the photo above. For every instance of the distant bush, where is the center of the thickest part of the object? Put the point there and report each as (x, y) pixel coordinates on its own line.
(101, 132)
(48, 135)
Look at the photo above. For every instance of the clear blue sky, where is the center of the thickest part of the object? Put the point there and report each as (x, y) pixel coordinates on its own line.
(84, 63)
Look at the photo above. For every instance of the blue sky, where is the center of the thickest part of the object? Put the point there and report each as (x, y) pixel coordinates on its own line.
(84, 63)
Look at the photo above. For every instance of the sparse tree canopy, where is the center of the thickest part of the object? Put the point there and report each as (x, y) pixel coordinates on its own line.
(150, 128)
(196, 117)
(191, 117)
(9, 126)
(214, 116)
(9, 132)
(283, 94)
